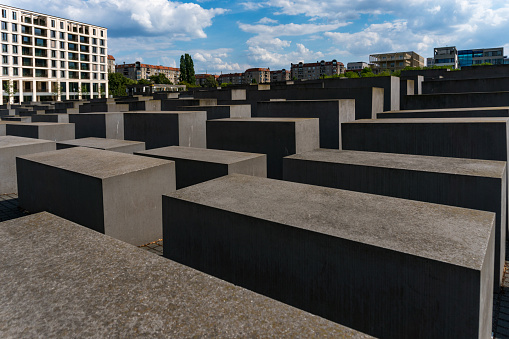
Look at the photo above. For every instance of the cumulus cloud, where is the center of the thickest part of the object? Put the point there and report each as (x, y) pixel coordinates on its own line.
(266, 20)
(268, 57)
(216, 61)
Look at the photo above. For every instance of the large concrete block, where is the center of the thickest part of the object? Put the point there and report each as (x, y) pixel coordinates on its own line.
(331, 114)
(465, 85)
(455, 100)
(42, 130)
(195, 165)
(477, 112)
(173, 104)
(115, 145)
(143, 105)
(103, 107)
(62, 118)
(74, 282)
(276, 137)
(389, 267)
(113, 193)
(99, 125)
(10, 148)
(469, 183)
(221, 111)
(15, 118)
(160, 129)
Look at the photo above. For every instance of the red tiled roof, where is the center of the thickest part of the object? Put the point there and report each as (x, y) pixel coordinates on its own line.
(258, 70)
(110, 57)
(148, 66)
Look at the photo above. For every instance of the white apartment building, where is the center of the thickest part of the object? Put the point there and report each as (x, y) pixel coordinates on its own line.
(50, 58)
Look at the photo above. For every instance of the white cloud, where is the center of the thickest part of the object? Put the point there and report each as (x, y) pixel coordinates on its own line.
(267, 57)
(216, 61)
(266, 20)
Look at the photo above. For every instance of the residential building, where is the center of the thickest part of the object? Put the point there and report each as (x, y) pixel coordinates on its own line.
(396, 61)
(312, 71)
(138, 71)
(50, 58)
(446, 56)
(201, 78)
(233, 78)
(356, 66)
(111, 64)
(469, 57)
(430, 62)
(280, 75)
(257, 75)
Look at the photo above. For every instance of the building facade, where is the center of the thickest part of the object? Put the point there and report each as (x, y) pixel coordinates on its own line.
(202, 78)
(356, 66)
(138, 71)
(469, 57)
(231, 78)
(312, 71)
(446, 56)
(111, 64)
(257, 76)
(51, 58)
(396, 61)
(280, 75)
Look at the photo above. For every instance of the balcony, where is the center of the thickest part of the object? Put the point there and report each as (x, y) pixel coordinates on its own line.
(72, 56)
(27, 72)
(73, 65)
(84, 40)
(25, 40)
(26, 51)
(72, 37)
(74, 75)
(85, 75)
(40, 22)
(26, 29)
(41, 63)
(40, 32)
(26, 62)
(84, 49)
(40, 42)
(41, 73)
(84, 57)
(72, 47)
(41, 52)
(85, 67)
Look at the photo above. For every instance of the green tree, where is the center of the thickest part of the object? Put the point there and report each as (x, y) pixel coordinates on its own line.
(187, 69)
(351, 75)
(210, 82)
(160, 79)
(117, 84)
(183, 69)
(367, 72)
(144, 82)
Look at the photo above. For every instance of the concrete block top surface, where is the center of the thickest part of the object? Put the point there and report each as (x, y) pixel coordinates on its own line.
(303, 101)
(42, 124)
(263, 119)
(448, 234)
(430, 120)
(97, 113)
(501, 108)
(100, 142)
(105, 288)
(10, 141)
(421, 163)
(94, 162)
(165, 112)
(201, 154)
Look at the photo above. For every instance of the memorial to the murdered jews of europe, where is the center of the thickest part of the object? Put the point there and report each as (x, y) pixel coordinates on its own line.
(334, 207)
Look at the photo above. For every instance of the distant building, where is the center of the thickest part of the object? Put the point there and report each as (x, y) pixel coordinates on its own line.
(430, 62)
(446, 56)
(111, 64)
(469, 57)
(396, 61)
(201, 78)
(257, 75)
(312, 71)
(233, 78)
(356, 66)
(280, 75)
(138, 71)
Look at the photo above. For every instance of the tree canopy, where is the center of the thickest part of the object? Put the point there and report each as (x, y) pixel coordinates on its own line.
(187, 69)
(117, 84)
(210, 82)
(160, 79)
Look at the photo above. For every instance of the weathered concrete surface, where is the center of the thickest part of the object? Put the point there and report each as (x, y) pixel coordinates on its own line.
(103, 107)
(469, 183)
(13, 118)
(477, 112)
(63, 118)
(160, 129)
(389, 267)
(465, 85)
(173, 104)
(221, 111)
(113, 193)
(195, 165)
(104, 288)
(115, 145)
(42, 130)
(276, 137)
(331, 114)
(99, 125)
(455, 100)
(144, 105)
(10, 148)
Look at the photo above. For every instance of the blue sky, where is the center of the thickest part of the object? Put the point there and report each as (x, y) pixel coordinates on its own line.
(231, 36)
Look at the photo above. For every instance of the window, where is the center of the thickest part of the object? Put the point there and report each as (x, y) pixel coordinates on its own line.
(94, 31)
(5, 70)
(14, 49)
(5, 48)
(61, 25)
(53, 54)
(14, 27)
(52, 23)
(94, 49)
(102, 59)
(62, 55)
(94, 58)
(62, 64)
(103, 51)
(4, 25)
(62, 36)
(94, 41)
(103, 76)
(5, 59)
(14, 38)
(102, 33)
(14, 16)
(54, 63)
(4, 37)
(54, 74)
(53, 34)
(95, 76)
(15, 71)
(101, 41)
(62, 45)
(53, 44)
(14, 60)
(4, 13)
(62, 74)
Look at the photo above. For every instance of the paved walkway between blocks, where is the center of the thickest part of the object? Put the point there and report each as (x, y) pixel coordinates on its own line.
(9, 210)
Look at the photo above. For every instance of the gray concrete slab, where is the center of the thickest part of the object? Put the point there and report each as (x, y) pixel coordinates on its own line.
(160, 129)
(477, 112)
(173, 104)
(64, 118)
(42, 130)
(10, 148)
(221, 111)
(115, 145)
(389, 267)
(99, 287)
(331, 114)
(455, 100)
(468, 183)
(103, 107)
(99, 125)
(465, 85)
(17, 118)
(276, 137)
(195, 165)
(113, 193)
